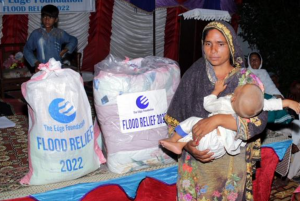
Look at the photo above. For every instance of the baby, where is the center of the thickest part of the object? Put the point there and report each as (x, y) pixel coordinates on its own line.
(247, 101)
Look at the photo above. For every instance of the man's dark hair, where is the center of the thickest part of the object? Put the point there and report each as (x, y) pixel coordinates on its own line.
(50, 10)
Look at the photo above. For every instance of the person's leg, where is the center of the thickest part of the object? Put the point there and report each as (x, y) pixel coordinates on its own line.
(183, 132)
(172, 143)
(175, 147)
(173, 138)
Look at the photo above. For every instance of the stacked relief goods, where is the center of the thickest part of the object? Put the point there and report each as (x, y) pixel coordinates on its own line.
(62, 141)
(131, 99)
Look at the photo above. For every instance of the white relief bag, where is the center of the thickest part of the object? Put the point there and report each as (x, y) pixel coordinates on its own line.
(131, 98)
(62, 140)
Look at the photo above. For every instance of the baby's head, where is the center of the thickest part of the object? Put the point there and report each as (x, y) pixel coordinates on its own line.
(247, 100)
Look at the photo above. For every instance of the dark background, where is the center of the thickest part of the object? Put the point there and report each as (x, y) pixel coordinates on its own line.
(274, 27)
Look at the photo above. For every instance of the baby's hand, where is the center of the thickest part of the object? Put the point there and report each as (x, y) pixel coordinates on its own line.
(219, 87)
(294, 105)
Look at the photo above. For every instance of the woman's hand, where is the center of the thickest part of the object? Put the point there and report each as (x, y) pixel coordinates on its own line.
(203, 156)
(204, 126)
(200, 129)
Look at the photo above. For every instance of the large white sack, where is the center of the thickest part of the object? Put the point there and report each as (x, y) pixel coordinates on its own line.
(131, 98)
(62, 141)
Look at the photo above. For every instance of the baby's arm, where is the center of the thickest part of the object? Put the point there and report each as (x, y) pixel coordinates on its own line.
(294, 105)
(219, 87)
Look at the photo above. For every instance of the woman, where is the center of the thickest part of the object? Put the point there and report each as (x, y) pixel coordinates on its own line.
(199, 176)
(254, 65)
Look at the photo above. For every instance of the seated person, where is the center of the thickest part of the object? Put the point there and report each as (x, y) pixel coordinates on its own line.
(247, 101)
(48, 40)
(255, 62)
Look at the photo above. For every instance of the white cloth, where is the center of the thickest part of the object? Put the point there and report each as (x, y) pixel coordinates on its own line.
(216, 105)
(222, 105)
(272, 104)
(212, 141)
(225, 142)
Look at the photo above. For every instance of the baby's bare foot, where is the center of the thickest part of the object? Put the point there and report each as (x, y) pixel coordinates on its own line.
(172, 146)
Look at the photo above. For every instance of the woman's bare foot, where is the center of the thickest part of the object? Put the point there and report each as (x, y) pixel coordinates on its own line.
(175, 147)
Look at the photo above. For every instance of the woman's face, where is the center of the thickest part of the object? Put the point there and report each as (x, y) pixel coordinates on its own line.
(216, 48)
(255, 61)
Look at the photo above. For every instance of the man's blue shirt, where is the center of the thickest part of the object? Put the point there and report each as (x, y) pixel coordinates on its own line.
(48, 45)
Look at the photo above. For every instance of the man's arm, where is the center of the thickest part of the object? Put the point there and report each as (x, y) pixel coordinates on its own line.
(29, 49)
(71, 43)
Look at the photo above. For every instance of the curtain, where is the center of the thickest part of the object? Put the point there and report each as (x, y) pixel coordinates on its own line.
(14, 29)
(171, 48)
(132, 31)
(99, 35)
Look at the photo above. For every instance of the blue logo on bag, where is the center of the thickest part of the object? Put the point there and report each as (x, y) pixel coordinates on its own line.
(62, 110)
(142, 102)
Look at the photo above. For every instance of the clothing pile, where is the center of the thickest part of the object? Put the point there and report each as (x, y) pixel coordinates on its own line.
(131, 98)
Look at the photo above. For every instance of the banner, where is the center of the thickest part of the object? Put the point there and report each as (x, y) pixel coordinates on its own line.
(14, 7)
(142, 111)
